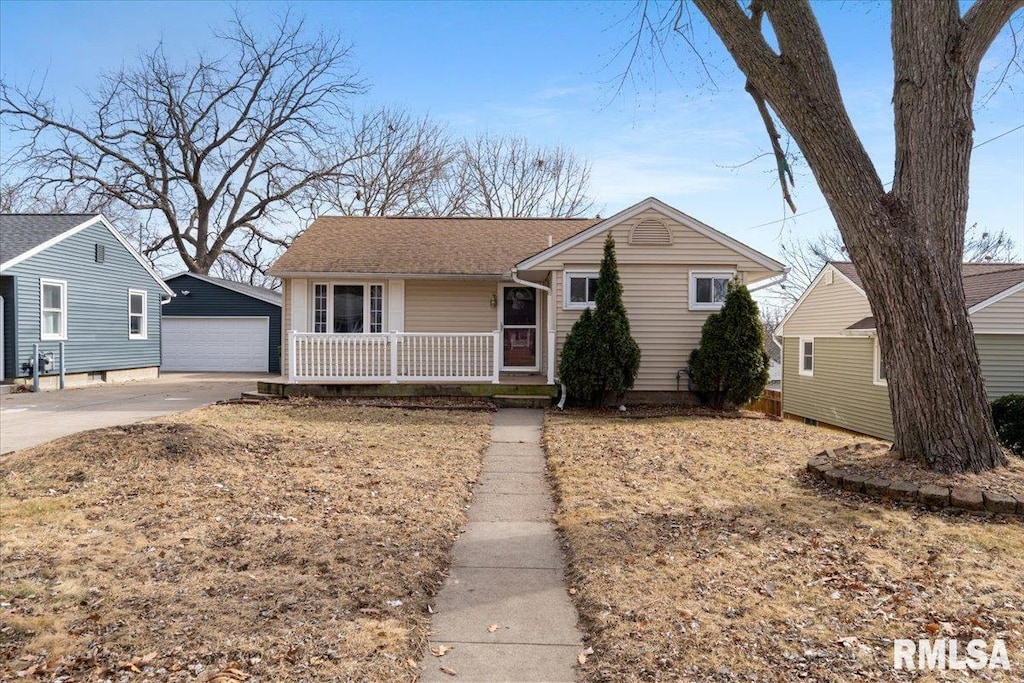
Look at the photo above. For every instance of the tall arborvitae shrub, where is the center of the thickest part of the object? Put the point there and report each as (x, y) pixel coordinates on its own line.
(600, 358)
(730, 367)
(622, 352)
(579, 367)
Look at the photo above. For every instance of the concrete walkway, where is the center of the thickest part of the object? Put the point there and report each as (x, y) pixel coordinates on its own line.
(507, 571)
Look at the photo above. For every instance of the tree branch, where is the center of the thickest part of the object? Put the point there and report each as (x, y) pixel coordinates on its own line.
(982, 23)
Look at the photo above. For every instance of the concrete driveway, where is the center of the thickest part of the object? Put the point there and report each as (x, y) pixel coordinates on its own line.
(30, 419)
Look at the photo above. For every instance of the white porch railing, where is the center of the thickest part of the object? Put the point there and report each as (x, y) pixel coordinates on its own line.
(394, 357)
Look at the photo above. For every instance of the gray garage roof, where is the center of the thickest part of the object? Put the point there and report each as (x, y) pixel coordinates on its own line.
(261, 293)
(21, 232)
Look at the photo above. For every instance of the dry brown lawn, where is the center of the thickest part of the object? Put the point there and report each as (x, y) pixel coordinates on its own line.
(233, 543)
(700, 551)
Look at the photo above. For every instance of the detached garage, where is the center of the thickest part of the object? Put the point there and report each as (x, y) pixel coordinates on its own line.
(217, 325)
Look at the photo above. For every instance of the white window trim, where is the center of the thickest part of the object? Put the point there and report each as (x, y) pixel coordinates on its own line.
(800, 357)
(366, 304)
(876, 370)
(63, 334)
(576, 305)
(145, 313)
(694, 274)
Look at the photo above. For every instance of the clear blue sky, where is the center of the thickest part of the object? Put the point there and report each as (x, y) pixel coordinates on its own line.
(548, 71)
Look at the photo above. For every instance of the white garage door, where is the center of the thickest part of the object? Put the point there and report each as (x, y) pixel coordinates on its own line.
(215, 344)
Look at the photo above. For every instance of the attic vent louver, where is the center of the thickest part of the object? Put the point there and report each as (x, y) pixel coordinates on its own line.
(650, 231)
(101, 253)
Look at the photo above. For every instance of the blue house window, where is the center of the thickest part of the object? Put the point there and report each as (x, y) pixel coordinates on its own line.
(53, 309)
(137, 328)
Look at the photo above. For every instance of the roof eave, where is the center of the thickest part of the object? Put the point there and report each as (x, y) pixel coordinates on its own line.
(1009, 291)
(98, 218)
(271, 297)
(336, 274)
(673, 213)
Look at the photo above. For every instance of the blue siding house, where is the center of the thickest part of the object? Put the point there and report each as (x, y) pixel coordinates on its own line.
(221, 325)
(73, 279)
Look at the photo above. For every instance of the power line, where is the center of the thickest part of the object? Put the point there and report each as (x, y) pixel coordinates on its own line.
(822, 208)
(1012, 130)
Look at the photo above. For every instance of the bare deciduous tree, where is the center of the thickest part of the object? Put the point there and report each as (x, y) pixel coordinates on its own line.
(509, 177)
(907, 242)
(806, 258)
(210, 153)
(402, 167)
(407, 166)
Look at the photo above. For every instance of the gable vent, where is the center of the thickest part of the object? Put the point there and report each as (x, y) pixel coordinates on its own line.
(650, 232)
(101, 253)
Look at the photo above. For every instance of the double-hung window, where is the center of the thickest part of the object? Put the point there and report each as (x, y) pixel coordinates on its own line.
(879, 375)
(53, 309)
(580, 290)
(806, 359)
(708, 290)
(137, 327)
(348, 308)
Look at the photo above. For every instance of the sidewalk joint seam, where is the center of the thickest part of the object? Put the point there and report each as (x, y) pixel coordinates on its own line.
(492, 642)
(506, 566)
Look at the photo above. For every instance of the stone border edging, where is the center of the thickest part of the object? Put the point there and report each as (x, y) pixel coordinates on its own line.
(847, 478)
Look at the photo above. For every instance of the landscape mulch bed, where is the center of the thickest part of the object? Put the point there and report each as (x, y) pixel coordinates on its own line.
(697, 551)
(878, 460)
(231, 543)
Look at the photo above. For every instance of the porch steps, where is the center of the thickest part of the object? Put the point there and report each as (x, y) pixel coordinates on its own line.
(520, 401)
(259, 396)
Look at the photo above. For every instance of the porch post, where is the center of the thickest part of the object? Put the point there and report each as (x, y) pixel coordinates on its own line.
(393, 341)
(292, 360)
(551, 326)
(496, 378)
(551, 356)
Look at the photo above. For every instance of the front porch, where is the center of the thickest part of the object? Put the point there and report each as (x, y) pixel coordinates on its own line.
(419, 358)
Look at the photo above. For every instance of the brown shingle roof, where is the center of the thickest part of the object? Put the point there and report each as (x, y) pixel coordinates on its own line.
(427, 246)
(982, 281)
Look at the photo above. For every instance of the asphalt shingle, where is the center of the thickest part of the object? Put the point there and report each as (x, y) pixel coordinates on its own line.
(428, 246)
(982, 281)
(22, 232)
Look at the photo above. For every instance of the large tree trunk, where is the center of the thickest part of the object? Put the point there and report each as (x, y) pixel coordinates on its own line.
(940, 410)
(907, 244)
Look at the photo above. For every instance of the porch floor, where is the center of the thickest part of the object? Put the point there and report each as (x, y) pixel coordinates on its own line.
(511, 384)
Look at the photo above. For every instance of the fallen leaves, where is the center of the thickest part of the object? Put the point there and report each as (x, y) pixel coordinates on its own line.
(492, 628)
(440, 650)
(701, 553)
(218, 544)
(231, 674)
(448, 671)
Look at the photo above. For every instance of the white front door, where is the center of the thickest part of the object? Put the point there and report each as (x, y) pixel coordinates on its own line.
(519, 315)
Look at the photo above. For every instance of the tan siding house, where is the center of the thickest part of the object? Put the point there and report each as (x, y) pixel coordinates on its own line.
(831, 368)
(449, 306)
(656, 274)
(488, 298)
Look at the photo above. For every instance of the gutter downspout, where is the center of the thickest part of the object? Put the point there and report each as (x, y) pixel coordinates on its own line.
(777, 280)
(550, 327)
